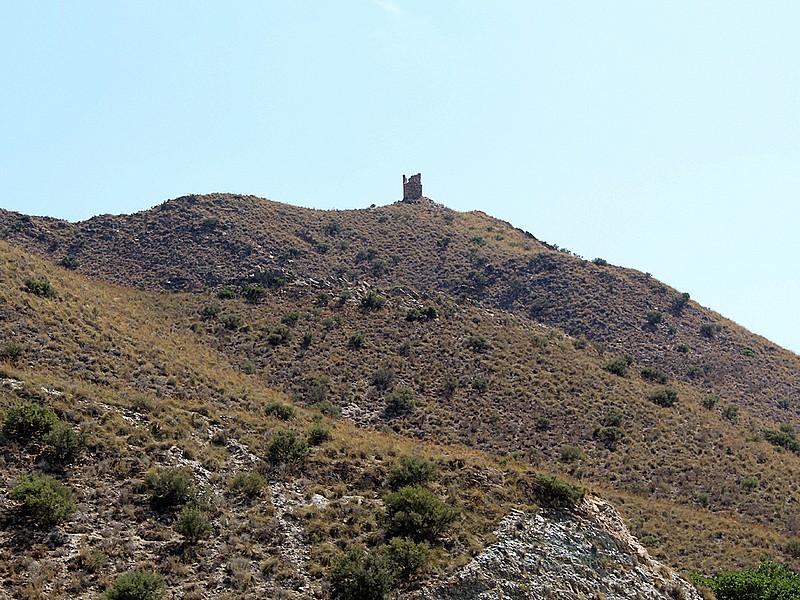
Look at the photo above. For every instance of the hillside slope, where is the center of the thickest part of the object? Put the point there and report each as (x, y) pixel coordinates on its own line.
(152, 395)
(514, 359)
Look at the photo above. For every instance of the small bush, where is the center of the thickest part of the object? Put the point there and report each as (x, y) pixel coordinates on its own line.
(785, 437)
(401, 400)
(731, 412)
(39, 287)
(11, 351)
(383, 378)
(136, 585)
(43, 500)
(679, 303)
(290, 318)
(709, 402)
(286, 447)
(232, 322)
(428, 313)
(709, 330)
(372, 301)
(26, 421)
(654, 318)
(356, 341)
(279, 334)
(171, 487)
(359, 575)
(411, 470)
(769, 581)
(609, 436)
(416, 513)
(209, 312)
(69, 262)
(480, 385)
(570, 454)
(226, 294)
(405, 557)
(552, 491)
(249, 484)
(318, 434)
(620, 365)
(682, 348)
(665, 397)
(193, 524)
(613, 418)
(654, 375)
(478, 343)
(63, 445)
(543, 424)
(280, 410)
(253, 293)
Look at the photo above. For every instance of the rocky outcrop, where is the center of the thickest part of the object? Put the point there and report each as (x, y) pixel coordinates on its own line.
(586, 554)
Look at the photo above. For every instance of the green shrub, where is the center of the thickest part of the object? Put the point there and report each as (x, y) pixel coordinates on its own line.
(356, 341)
(682, 348)
(428, 313)
(620, 365)
(405, 557)
(286, 447)
(279, 334)
(39, 287)
(359, 575)
(543, 424)
(655, 317)
(709, 330)
(308, 338)
(210, 311)
(785, 438)
(769, 581)
(655, 375)
(26, 421)
(43, 500)
(383, 378)
(317, 434)
(416, 513)
(411, 470)
(478, 343)
(731, 412)
(570, 454)
(552, 491)
(609, 436)
(136, 585)
(232, 322)
(613, 418)
(290, 318)
(226, 294)
(709, 402)
(400, 400)
(326, 407)
(665, 397)
(193, 524)
(11, 351)
(253, 293)
(248, 367)
(69, 262)
(171, 487)
(63, 444)
(480, 385)
(679, 303)
(280, 410)
(250, 484)
(372, 301)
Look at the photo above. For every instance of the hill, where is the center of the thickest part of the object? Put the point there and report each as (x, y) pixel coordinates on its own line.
(423, 326)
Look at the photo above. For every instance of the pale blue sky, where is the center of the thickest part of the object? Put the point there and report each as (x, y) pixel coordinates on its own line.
(663, 136)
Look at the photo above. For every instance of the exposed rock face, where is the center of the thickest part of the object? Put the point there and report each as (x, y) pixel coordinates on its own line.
(588, 554)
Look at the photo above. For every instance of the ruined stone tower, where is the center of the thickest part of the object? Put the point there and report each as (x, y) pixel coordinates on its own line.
(412, 188)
